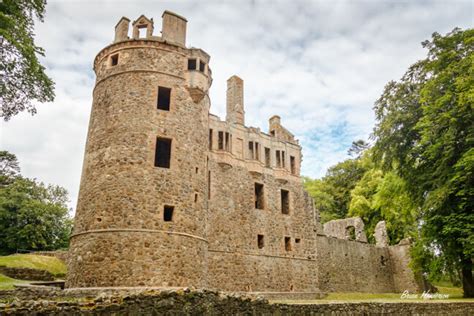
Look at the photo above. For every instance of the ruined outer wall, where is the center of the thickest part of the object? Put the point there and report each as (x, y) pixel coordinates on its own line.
(120, 238)
(403, 277)
(236, 263)
(353, 266)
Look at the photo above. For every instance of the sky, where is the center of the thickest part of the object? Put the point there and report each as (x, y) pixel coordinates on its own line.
(319, 65)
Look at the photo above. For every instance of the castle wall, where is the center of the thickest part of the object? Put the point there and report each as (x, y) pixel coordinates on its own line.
(120, 237)
(403, 277)
(353, 266)
(236, 262)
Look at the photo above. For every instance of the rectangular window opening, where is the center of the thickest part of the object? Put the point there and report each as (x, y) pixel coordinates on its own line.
(287, 243)
(202, 66)
(163, 152)
(297, 240)
(195, 197)
(210, 139)
(191, 64)
(293, 165)
(267, 157)
(142, 32)
(227, 141)
(260, 241)
(168, 213)
(285, 202)
(278, 158)
(164, 98)
(251, 152)
(257, 150)
(114, 60)
(221, 141)
(283, 159)
(259, 200)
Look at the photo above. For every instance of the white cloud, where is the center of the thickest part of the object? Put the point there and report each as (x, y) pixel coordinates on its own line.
(320, 65)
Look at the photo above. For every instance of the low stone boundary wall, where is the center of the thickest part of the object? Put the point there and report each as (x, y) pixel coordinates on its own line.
(186, 302)
(26, 274)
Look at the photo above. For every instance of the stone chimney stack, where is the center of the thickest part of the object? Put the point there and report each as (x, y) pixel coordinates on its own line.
(235, 100)
(121, 30)
(173, 29)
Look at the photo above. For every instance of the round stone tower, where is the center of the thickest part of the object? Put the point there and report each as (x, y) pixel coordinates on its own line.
(141, 213)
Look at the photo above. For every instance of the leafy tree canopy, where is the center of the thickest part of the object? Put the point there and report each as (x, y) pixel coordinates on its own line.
(22, 77)
(425, 133)
(33, 216)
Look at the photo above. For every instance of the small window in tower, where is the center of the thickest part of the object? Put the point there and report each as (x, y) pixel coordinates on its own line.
(163, 98)
(285, 202)
(259, 200)
(283, 165)
(267, 157)
(257, 150)
(210, 139)
(168, 213)
(260, 241)
(202, 66)
(163, 152)
(288, 243)
(297, 240)
(293, 165)
(221, 141)
(195, 197)
(278, 158)
(251, 153)
(272, 132)
(191, 64)
(114, 60)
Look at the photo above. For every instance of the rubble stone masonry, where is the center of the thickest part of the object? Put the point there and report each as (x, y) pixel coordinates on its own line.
(173, 196)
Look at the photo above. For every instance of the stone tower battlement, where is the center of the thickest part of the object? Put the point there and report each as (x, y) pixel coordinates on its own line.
(173, 196)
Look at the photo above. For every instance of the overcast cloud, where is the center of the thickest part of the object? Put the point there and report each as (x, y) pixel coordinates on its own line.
(320, 65)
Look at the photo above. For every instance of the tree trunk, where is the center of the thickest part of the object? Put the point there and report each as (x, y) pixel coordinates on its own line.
(467, 280)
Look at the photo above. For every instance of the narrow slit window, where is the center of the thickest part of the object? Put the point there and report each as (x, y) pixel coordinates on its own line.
(191, 64)
(227, 141)
(278, 158)
(283, 165)
(288, 243)
(210, 139)
(267, 157)
(259, 199)
(293, 165)
(163, 152)
(251, 153)
(260, 241)
(168, 213)
(195, 197)
(221, 141)
(257, 150)
(164, 98)
(114, 60)
(202, 66)
(209, 185)
(285, 202)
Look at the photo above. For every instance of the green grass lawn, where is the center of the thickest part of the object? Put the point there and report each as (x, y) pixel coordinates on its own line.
(455, 294)
(51, 264)
(7, 283)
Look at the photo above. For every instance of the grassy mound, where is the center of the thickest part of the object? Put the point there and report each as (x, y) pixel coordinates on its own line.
(51, 264)
(7, 283)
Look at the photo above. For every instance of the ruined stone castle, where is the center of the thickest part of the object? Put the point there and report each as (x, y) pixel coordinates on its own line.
(173, 196)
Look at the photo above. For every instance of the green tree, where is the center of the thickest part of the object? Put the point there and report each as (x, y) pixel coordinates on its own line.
(380, 196)
(332, 193)
(22, 77)
(9, 167)
(33, 216)
(425, 132)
